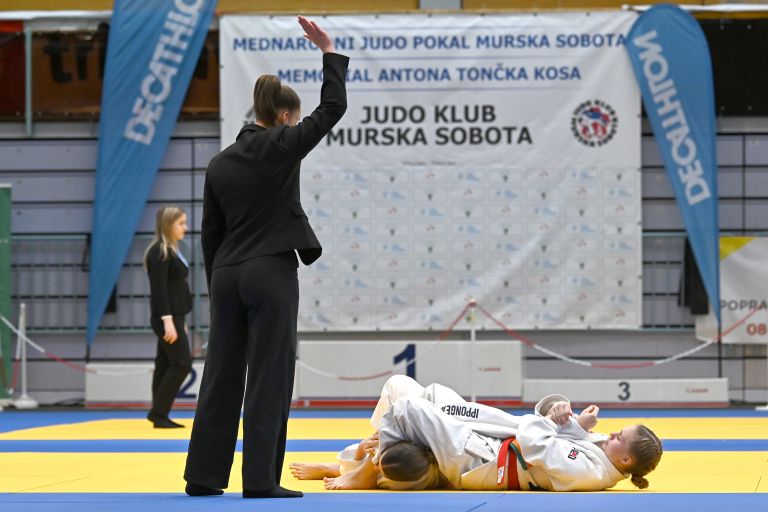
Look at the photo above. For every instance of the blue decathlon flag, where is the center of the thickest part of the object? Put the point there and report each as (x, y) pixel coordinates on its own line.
(670, 56)
(153, 49)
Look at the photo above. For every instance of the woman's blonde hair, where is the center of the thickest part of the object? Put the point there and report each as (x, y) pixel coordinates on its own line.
(406, 461)
(646, 450)
(166, 216)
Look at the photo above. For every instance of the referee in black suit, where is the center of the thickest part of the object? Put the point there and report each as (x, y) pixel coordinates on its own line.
(252, 224)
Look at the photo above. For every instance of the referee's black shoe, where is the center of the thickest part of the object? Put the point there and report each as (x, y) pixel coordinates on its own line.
(200, 490)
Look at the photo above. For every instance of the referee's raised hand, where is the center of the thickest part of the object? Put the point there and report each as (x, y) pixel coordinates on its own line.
(318, 36)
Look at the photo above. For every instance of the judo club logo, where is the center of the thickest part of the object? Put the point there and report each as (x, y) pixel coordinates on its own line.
(594, 123)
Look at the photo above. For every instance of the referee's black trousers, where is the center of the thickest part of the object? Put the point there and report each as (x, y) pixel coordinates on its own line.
(254, 306)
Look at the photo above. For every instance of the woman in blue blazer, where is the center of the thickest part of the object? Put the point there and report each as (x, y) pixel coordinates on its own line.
(169, 304)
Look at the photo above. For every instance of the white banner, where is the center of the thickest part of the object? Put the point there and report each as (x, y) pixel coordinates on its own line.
(493, 372)
(631, 392)
(743, 296)
(486, 157)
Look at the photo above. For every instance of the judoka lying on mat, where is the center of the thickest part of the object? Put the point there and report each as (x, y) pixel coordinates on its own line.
(432, 438)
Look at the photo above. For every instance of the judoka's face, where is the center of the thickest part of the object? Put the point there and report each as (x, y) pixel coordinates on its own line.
(617, 447)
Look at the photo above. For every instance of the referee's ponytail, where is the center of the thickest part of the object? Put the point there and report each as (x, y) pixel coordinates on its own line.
(270, 97)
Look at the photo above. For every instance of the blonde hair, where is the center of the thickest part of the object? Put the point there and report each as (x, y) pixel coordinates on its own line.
(166, 217)
(406, 461)
(646, 451)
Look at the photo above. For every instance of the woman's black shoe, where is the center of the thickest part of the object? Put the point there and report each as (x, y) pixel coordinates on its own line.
(163, 421)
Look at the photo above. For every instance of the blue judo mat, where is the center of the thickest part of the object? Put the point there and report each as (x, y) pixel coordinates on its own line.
(386, 502)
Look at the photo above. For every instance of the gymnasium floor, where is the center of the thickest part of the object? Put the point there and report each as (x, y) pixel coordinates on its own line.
(113, 461)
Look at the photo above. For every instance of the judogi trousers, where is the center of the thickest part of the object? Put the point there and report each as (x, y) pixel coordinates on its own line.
(254, 306)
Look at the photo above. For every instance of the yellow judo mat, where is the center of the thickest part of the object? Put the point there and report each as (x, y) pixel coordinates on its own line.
(703, 454)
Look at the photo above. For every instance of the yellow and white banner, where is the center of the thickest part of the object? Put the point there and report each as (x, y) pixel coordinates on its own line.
(488, 157)
(743, 292)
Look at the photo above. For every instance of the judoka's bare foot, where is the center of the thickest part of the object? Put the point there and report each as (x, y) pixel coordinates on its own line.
(362, 477)
(330, 483)
(347, 481)
(307, 471)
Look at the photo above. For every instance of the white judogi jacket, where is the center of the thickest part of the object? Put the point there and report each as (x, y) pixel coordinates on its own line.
(465, 438)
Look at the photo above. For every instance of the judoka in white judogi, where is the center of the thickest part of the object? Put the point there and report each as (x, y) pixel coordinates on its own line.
(466, 437)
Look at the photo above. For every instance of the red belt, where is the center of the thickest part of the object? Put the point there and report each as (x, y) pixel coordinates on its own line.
(506, 464)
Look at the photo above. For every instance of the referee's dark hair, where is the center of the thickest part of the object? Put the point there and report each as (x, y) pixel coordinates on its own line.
(270, 97)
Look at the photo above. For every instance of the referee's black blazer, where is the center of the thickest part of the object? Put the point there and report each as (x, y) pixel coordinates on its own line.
(251, 203)
(168, 284)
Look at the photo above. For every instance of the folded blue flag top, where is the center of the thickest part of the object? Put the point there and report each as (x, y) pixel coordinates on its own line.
(152, 52)
(670, 57)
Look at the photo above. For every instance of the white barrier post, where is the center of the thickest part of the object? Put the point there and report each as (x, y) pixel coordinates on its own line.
(24, 401)
(472, 343)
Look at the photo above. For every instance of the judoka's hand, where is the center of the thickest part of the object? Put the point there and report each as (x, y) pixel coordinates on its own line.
(370, 442)
(560, 413)
(588, 417)
(366, 445)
